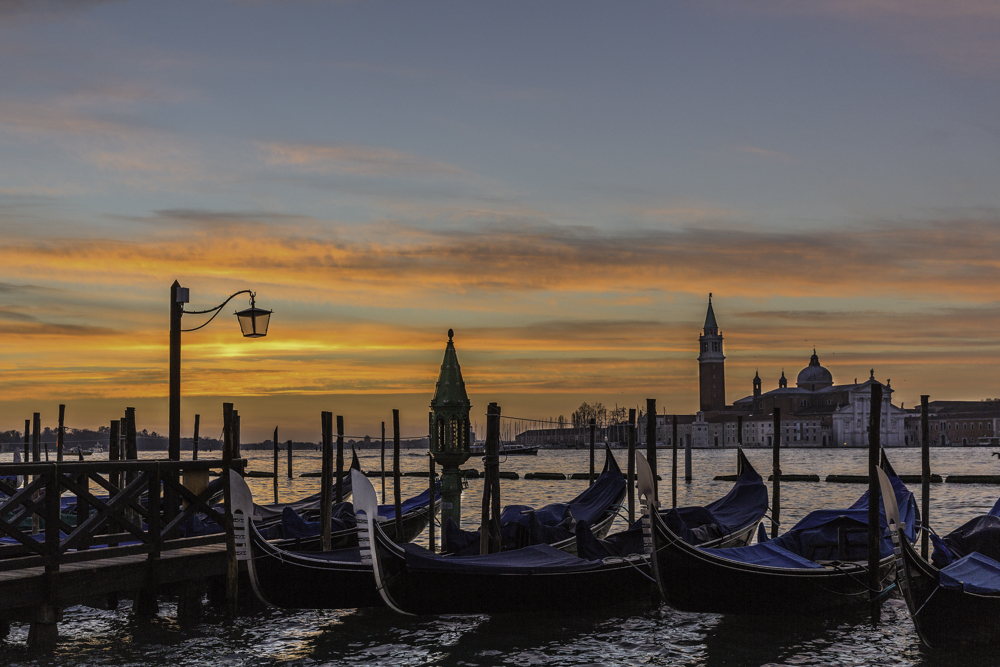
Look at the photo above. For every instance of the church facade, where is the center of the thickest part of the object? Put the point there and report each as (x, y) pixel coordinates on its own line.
(816, 412)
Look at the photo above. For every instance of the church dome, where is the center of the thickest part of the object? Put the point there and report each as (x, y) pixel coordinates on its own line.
(814, 376)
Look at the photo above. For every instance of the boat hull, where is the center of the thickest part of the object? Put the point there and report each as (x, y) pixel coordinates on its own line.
(945, 617)
(693, 580)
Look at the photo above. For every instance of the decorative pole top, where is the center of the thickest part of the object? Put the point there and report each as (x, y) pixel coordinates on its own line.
(451, 334)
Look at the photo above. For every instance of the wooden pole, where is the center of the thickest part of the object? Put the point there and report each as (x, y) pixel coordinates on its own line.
(236, 435)
(489, 536)
(593, 430)
(776, 472)
(688, 475)
(398, 499)
(925, 474)
(874, 530)
(27, 442)
(232, 567)
(289, 459)
(651, 439)
(114, 443)
(340, 459)
(194, 441)
(325, 490)
(275, 441)
(430, 507)
(36, 456)
(673, 467)
(383, 463)
(60, 436)
(631, 466)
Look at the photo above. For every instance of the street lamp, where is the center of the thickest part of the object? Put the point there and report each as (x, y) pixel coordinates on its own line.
(253, 323)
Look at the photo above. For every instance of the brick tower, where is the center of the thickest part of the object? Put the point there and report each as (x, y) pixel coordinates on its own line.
(712, 365)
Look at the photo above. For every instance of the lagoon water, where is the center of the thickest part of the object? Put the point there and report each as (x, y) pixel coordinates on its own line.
(642, 635)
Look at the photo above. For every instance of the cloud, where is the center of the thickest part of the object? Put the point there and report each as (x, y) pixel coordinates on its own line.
(356, 160)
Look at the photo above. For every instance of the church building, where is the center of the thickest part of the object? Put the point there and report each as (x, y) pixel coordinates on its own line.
(815, 412)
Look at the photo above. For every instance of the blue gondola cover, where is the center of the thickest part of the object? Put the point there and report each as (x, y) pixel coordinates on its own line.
(974, 573)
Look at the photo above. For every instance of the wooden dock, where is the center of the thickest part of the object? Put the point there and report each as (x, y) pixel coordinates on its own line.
(68, 546)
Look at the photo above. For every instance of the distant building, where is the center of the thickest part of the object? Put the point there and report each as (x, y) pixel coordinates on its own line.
(957, 423)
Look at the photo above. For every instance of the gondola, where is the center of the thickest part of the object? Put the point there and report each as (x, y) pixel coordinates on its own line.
(554, 524)
(304, 578)
(817, 566)
(730, 521)
(958, 603)
(538, 578)
(271, 514)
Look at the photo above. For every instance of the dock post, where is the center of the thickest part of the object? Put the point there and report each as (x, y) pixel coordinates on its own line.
(430, 508)
(651, 439)
(325, 488)
(383, 463)
(776, 473)
(631, 466)
(925, 475)
(145, 604)
(673, 467)
(232, 566)
(275, 465)
(397, 498)
(189, 602)
(194, 440)
(36, 456)
(688, 475)
(236, 435)
(114, 443)
(43, 632)
(593, 429)
(60, 434)
(27, 445)
(289, 445)
(489, 536)
(874, 530)
(340, 459)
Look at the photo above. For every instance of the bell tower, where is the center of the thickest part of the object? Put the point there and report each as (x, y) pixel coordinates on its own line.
(449, 433)
(712, 365)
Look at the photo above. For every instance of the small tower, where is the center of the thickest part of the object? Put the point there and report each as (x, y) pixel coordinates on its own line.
(449, 432)
(782, 381)
(711, 365)
(757, 405)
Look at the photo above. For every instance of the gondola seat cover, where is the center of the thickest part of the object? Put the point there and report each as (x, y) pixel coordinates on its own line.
(768, 553)
(979, 535)
(974, 573)
(825, 535)
(746, 501)
(538, 558)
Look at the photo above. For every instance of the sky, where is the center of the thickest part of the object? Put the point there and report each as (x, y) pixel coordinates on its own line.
(561, 183)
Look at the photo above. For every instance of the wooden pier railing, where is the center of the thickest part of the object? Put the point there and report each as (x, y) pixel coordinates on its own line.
(71, 519)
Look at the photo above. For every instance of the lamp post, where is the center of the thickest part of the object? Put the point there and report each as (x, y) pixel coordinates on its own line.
(253, 323)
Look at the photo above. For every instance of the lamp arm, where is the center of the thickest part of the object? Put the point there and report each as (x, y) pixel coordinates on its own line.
(216, 310)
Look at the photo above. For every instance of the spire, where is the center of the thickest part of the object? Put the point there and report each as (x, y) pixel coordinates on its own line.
(814, 360)
(711, 326)
(782, 381)
(450, 391)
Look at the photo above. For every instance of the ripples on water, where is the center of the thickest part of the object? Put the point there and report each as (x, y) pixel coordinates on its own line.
(642, 635)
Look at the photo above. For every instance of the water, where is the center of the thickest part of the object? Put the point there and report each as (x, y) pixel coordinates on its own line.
(639, 635)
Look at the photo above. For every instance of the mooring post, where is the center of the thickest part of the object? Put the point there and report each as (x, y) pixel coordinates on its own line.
(27, 445)
(36, 456)
(289, 445)
(383, 464)
(397, 497)
(430, 508)
(673, 467)
(46, 445)
(131, 454)
(114, 443)
(275, 441)
(232, 567)
(325, 489)
(236, 435)
(194, 440)
(651, 439)
(925, 475)
(688, 474)
(489, 536)
(593, 429)
(631, 466)
(874, 530)
(776, 474)
(60, 435)
(340, 459)
(145, 604)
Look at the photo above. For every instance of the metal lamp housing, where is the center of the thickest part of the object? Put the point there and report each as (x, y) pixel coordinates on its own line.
(254, 321)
